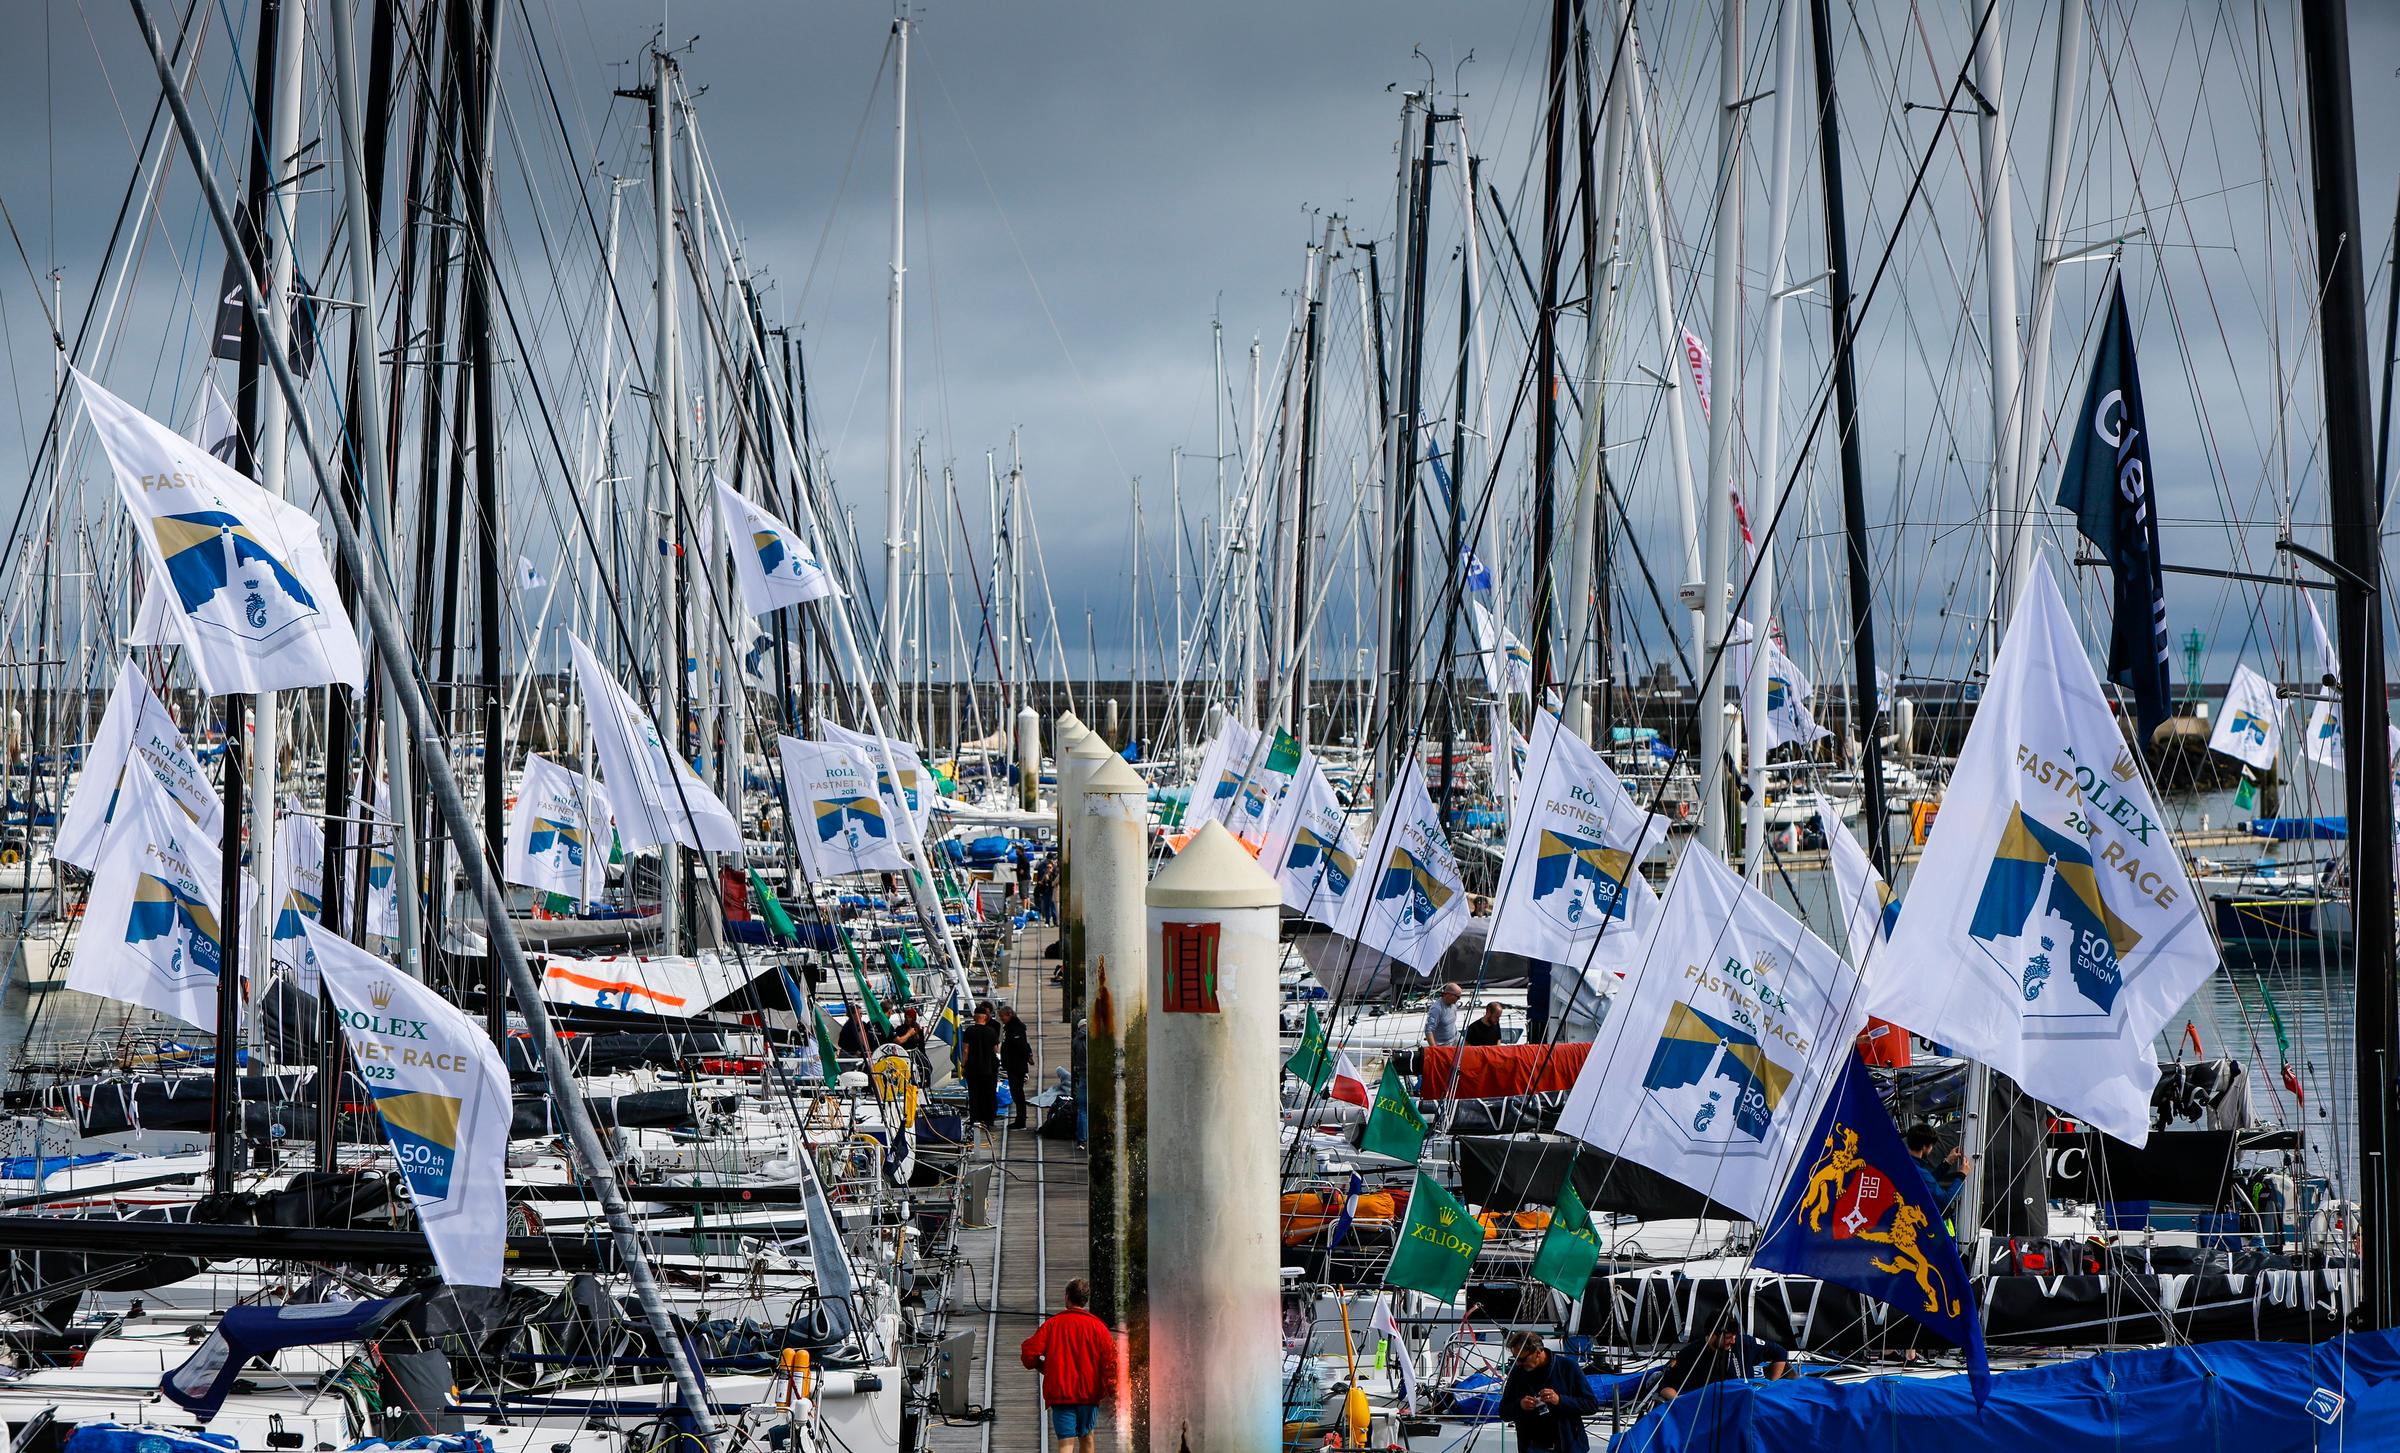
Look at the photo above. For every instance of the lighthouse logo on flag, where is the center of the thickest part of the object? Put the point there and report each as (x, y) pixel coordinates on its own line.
(1419, 893)
(1579, 881)
(2042, 921)
(225, 576)
(175, 930)
(1312, 853)
(1714, 1081)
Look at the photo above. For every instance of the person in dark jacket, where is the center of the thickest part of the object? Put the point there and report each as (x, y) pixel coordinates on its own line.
(1016, 1059)
(1724, 1353)
(1547, 1397)
(854, 1041)
(979, 1066)
(1486, 1029)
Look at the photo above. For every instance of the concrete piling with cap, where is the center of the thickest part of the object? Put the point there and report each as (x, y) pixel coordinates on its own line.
(1112, 843)
(1029, 758)
(1213, 1366)
(1090, 753)
(1062, 748)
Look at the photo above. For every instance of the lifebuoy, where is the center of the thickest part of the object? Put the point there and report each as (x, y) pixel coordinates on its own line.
(11, 855)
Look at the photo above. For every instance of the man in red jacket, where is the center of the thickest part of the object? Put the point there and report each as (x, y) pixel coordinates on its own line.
(1077, 1357)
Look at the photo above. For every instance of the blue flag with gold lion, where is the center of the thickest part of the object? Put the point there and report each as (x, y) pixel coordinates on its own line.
(1859, 1214)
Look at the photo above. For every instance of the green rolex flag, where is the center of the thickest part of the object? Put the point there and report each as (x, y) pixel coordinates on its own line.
(779, 922)
(1283, 758)
(1438, 1243)
(895, 962)
(848, 947)
(1313, 1060)
(829, 1057)
(1394, 1128)
(875, 1014)
(1569, 1248)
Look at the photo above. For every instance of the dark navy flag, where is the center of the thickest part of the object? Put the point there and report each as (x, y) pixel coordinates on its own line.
(1859, 1214)
(2107, 484)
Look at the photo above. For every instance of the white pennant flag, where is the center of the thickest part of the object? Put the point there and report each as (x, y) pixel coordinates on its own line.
(1218, 787)
(383, 864)
(770, 558)
(442, 1094)
(1865, 902)
(1725, 1040)
(558, 833)
(1506, 662)
(2250, 725)
(1310, 846)
(1410, 903)
(134, 728)
(299, 893)
(840, 821)
(528, 578)
(243, 575)
(150, 934)
(1784, 719)
(913, 793)
(656, 795)
(2066, 935)
(1571, 888)
(1384, 1323)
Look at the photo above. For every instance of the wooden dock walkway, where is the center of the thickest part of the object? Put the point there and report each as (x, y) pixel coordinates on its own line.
(1012, 1274)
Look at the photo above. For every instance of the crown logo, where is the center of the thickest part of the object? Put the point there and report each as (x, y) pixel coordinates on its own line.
(2123, 767)
(1447, 1215)
(1765, 961)
(379, 993)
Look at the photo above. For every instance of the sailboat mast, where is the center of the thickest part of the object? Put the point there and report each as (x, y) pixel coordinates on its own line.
(2356, 521)
(1545, 356)
(1725, 390)
(896, 417)
(1865, 697)
(479, 45)
(666, 391)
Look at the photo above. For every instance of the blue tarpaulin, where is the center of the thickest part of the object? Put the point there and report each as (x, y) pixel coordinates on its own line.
(2258, 1397)
(2299, 829)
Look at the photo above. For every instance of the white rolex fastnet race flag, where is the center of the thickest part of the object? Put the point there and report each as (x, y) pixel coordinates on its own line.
(656, 795)
(2250, 727)
(913, 793)
(298, 886)
(2066, 935)
(558, 833)
(1408, 902)
(1865, 902)
(150, 934)
(1310, 846)
(249, 594)
(1218, 787)
(1506, 663)
(1571, 888)
(770, 558)
(134, 729)
(1723, 1043)
(1783, 719)
(442, 1093)
(840, 821)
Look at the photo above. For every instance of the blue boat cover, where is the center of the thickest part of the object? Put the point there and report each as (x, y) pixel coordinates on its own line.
(124, 1438)
(2300, 829)
(2258, 1397)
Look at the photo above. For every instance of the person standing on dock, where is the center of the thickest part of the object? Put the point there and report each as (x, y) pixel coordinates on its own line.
(1016, 1059)
(979, 1066)
(1441, 1016)
(1077, 1357)
(1547, 1397)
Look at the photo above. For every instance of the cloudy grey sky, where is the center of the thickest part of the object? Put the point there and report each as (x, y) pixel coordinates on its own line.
(1092, 181)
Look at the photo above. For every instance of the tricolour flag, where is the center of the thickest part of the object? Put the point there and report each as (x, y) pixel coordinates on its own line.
(150, 932)
(1310, 846)
(1438, 1243)
(558, 833)
(2251, 724)
(1721, 1044)
(1349, 1082)
(1409, 901)
(1571, 888)
(1394, 1126)
(442, 1093)
(134, 728)
(842, 824)
(913, 792)
(1857, 1214)
(1783, 719)
(247, 587)
(656, 795)
(770, 558)
(1570, 1248)
(2066, 935)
